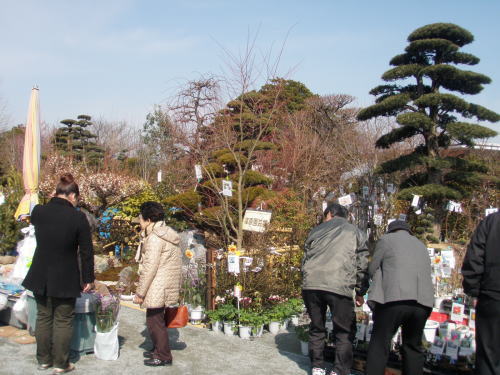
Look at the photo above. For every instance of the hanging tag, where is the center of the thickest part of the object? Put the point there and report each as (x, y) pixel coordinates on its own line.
(233, 264)
(365, 191)
(346, 200)
(415, 200)
(197, 172)
(227, 188)
(454, 207)
(158, 177)
(377, 220)
(402, 217)
(324, 205)
(390, 188)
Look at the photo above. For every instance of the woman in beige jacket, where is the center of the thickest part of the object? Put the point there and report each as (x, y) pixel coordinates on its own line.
(159, 258)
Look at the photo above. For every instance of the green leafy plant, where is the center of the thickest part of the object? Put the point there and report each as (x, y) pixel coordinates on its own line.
(215, 315)
(10, 228)
(278, 313)
(296, 305)
(228, 312)
(302, 332)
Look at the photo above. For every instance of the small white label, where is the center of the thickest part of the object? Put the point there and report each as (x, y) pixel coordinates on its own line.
(415, 201)
(227, 188)
(346, 200)
(197, 172)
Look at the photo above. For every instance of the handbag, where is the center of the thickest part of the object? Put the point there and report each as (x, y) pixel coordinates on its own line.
(176, 317)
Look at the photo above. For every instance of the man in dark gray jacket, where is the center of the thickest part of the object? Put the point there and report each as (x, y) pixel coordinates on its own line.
(481, 272)
(401, 294)
(334, 266)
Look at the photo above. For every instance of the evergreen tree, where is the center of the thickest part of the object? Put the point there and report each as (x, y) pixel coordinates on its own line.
(78, 143)
(425, 108)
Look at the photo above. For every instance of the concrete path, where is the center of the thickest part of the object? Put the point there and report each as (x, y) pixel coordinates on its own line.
(196, 351)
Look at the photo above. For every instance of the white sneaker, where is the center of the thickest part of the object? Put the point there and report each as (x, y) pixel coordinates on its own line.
(333, 373)
(318, 371)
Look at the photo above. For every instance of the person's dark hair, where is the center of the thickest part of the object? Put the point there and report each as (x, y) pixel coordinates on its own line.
(152, 211)
(398, 225)
(335, 209)
(67, 185)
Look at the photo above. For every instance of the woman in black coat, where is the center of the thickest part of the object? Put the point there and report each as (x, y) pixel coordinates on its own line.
(54, 275)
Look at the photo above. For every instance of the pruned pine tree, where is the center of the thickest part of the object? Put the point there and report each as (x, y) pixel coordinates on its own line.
(420, 93)
(78, 143)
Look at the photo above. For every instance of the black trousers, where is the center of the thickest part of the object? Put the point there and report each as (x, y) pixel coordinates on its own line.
(155, 321)
(54, 329)
(387, 318)
(487, 336)
(342, 309)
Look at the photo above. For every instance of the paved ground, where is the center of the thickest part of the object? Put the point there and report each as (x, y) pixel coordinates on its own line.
(196, 351)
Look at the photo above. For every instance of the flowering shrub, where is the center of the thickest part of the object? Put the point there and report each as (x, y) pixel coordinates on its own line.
(98, 190)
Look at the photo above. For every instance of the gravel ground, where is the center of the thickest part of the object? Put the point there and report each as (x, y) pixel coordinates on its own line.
(196, 351)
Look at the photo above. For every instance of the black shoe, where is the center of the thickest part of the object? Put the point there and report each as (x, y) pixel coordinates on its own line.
(157, 362)
(148, 354)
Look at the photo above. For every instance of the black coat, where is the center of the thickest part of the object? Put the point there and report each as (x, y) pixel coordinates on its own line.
(60, 230)
(481, 268)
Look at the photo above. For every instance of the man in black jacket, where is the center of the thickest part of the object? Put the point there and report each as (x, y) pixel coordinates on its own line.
(334, 267)
(481, 272)
(54, 275)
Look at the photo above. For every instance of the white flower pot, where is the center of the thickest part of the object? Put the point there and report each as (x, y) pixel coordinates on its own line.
(258, 331)
(294, 320)
(217, 327)
(196, 315)
(228, 328)
(304, 348)
(284, 325)
(245, 332)
(274, 327)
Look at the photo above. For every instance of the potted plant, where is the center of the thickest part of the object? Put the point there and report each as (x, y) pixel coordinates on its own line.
(259, 319)
(246, 320)
(228, 315)
(297, 308)
(302, 332)
(215, 318)
(275, 318)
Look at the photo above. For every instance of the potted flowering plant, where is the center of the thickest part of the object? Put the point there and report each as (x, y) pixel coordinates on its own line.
(302, 332)
(107, 308)
(194, 288)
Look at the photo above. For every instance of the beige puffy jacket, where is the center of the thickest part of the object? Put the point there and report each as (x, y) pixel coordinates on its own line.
(160, 265)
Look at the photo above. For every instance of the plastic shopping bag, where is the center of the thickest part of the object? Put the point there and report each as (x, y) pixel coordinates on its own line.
(26, 249)
(3, 301)
(20, 308)
(106, 346)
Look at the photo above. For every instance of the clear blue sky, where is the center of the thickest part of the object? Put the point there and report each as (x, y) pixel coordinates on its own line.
(116, 59)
